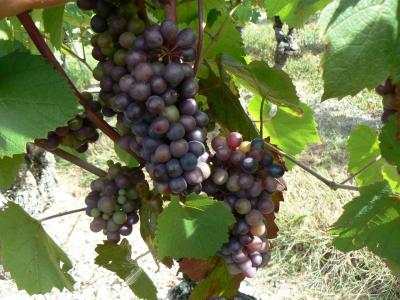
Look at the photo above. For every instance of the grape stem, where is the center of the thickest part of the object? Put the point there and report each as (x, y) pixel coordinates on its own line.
(80, 59)
(141, 5)
(170, 10)
(74, 160)
(45, 51)
(262, 118)
(333, 185)
(202, 26)
(70, 212)
(362, 169)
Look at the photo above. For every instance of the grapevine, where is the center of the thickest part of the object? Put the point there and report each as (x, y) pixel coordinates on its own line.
(202, 163)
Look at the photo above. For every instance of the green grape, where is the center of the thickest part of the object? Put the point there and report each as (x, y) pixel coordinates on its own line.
(132, 194)
(122, 199)
(119, 217)
(95, 212)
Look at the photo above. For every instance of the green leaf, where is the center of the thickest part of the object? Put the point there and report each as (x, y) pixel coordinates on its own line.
(53, 24)
(35, 261)
(118, 259)
(34, 99)
(195, 229)
(362, 36)
(270, 83)
(390, 141)
(223, 101)
(392, 176)
(125, 157)
(363, 147)
(9, 167)
(220, 283)
(290, 130)
(294, 13)
(371, 220)
(8, 46)
(186, 13)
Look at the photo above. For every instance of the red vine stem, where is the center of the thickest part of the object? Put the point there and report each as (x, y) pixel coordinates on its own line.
(202, 26)
(73, 159)
(63, 214)
(45, 51)
(141, 5)
(170, 10)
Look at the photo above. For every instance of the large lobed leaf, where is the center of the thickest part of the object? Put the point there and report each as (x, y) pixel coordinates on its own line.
(361, 37)
(9, 167)
(371, 220)
(223, 101)
(295, 13)
(34, 99)
(35, 261)
(118, 259)
(270, 83)
(290, 130)
(195, 229)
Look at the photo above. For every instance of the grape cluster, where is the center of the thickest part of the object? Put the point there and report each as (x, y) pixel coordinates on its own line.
(145, 80)
(390, 99)
(114, 201)
(79, 132)
(245, 176)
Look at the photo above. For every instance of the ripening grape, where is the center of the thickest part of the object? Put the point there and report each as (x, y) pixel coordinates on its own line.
(114, 201)
(244, 175)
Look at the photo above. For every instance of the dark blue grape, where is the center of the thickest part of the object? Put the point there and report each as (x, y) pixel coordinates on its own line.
(176, 131)
(121, 102)
(267, 159)
(160, 173)
(257, 143)
(178, 185)
(188, 161)
(197, 148)
(201, 118)
(276, 170)
(174, 168)
(250, 165)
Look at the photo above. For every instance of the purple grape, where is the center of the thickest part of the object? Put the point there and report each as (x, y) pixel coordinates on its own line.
(143, 72)
(134, 58)
(158, 85)
(174, 168)
(125, 230)
(254, 218)
(220, 176)
(113, 237)
(188, 161)
(178, 185)
(140, 91)
(160, 125)
(176, 131)
(170, 96)
(188, 122)
(193, 177)
(249, 164)
(153, 39)
(179, 148)
(162, 154)
(188, 106)
(186, 38)
(97, 224)
(106, 204)
(189, 88)
(174, 74)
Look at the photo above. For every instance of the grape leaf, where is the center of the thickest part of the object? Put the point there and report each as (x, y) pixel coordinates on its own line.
(195, 229)
(371, 220)
(392, 176)
(186, 13)
(8, 46)
(219, 283)
(294, 13)
(34, 99)
(125, 157)
(362, 36)
(118, 259)
(9, 167)
(197, 269)
(223, 101)
(35, 261)
(363, 148)
(291, 131)
(390, 140)
(270, 83)
(53, 19)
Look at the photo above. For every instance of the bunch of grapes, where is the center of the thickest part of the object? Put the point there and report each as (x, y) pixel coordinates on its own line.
(79, 132)
(390, 99)
(245, 176)
(145, 80)
(114, 201)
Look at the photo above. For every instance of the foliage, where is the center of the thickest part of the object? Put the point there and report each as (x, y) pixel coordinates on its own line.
(362, 45)
(194, 229)
(34, 260)
(117, 258)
